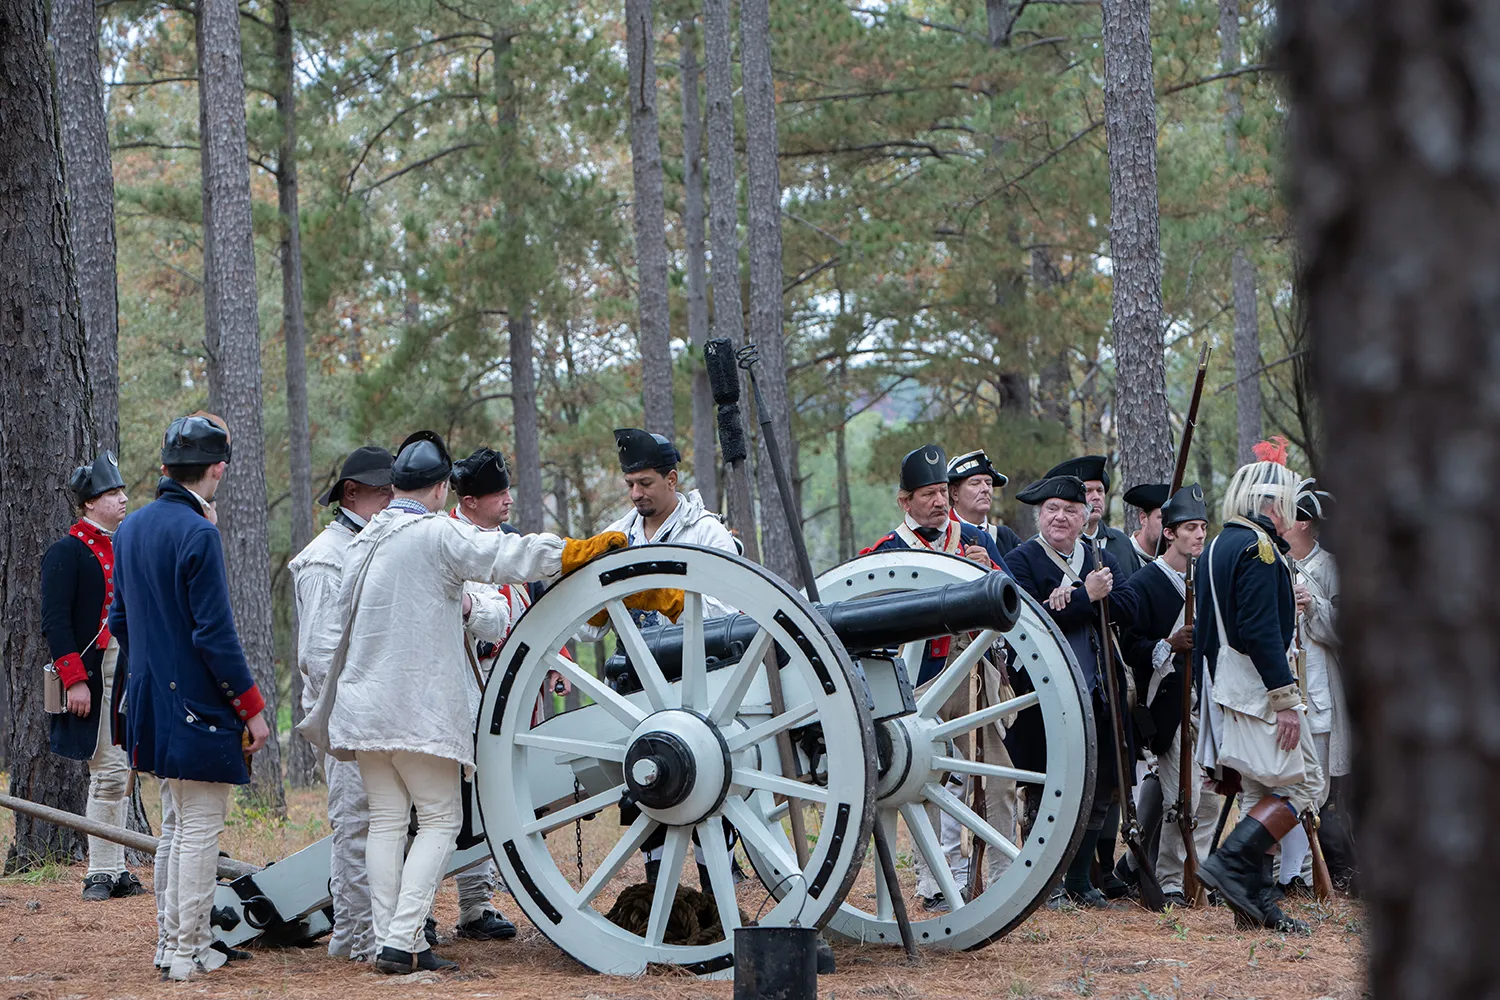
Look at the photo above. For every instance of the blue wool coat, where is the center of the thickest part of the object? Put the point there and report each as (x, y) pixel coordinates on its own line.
(1260, 611)
(190, 691)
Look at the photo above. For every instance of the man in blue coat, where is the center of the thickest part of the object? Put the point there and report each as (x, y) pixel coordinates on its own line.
(190, 696)
(1253, 714)
(1058, 568)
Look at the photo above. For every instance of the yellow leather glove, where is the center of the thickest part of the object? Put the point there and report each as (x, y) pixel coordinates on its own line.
(667, 602)
(577, 551)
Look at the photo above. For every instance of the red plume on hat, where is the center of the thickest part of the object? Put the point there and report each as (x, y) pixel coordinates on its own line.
(1274, 450)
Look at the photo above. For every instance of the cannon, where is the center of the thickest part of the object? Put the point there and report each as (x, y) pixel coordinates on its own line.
(686, 745)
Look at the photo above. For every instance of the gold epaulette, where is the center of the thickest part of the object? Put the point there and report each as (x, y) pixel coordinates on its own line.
(1264, 548)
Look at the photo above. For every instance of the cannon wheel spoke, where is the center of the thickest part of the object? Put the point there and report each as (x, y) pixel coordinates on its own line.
(740, 678)
(694, 660)
(972, 721)
(954, 674)
(925, 839)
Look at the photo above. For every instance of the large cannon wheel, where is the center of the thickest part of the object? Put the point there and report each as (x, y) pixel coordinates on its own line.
(925, 755)
(689, 757)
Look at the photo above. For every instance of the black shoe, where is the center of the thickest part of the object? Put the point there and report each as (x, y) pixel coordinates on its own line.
(1090, 898)
(1297, 889)
(126, 884)
(937, 903)
(1235, 869)
(1125, 873)
(429, 931)
(232, 954)
(1114, 887)
(98, 886)
(1174, 899)
(826, 964)
(490, 925)
(394, 961)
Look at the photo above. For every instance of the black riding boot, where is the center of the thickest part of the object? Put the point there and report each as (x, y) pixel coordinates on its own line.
(1235, 869)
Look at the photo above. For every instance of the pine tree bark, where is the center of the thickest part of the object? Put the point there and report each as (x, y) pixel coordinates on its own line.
(650, 221)
(705, 462)
(528, 468)
(1241, 268)
(205, 173)
(1145, 431)
(1397, 193)
(301, 760)
(242, 495)
(46, 423)
(91, 202)
(763, 213)
(723, 208)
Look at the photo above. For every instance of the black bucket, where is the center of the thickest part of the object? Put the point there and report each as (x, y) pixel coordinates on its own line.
(775, 963)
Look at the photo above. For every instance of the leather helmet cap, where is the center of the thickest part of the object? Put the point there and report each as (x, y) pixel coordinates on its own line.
(196, 439)
(421, 462)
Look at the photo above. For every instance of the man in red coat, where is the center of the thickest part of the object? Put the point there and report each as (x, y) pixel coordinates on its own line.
(77, 586)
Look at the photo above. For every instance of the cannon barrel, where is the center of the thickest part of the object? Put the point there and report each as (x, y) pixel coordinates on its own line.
(991, 602)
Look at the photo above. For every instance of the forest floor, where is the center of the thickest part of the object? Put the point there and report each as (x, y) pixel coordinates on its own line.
(54, 946)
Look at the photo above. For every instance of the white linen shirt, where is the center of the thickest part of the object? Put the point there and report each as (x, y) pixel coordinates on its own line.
(316, 574)
(406, 683)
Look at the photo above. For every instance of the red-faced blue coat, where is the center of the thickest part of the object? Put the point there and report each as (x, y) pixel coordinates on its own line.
(190, 692)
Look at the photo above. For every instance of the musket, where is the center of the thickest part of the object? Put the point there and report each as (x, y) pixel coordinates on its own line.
(1187, 820)
(977, 783)
(1151, 894)
(1322, 881)
(1180, 472)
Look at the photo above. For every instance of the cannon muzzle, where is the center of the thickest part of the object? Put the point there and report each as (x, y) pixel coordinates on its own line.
(991, 602)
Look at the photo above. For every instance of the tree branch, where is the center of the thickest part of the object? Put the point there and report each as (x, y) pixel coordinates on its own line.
(349, 181)
(151, 83)
(1241, 71)
(416, 166)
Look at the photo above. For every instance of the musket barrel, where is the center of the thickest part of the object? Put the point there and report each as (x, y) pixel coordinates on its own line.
(229, 868)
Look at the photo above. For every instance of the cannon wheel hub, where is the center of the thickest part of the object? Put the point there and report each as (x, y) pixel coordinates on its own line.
(677, 767)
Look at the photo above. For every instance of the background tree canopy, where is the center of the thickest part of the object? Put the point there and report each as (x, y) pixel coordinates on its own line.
(944, 211)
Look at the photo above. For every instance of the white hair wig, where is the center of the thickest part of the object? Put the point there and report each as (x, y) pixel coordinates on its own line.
(1259, 484)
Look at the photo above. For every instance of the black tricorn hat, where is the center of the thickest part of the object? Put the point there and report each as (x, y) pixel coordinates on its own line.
(974, 463)
(421, 461)
(1186, 505)
(923, 467)
(1054, 487)
(369, 465)
(196, 439)
(1148, 496)
(1085, 468)
(640, 450)
(481, 474)
(1313, 504)
(97, 478)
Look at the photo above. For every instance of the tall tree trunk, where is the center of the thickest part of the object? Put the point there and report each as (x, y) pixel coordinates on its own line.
(301, 761)
(91, 228)
(1241, 268)
(1141, 413)
(242, 497)
(650, 220)
(46, 424)
(723, 210)
(763, 212)
(205, 173)
(705, 464)
(91, 202)
(528, 437)
(1398, 202)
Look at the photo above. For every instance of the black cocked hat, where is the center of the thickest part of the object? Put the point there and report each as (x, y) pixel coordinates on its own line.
(196, 439)
(1148, 496)
(97, 478)
(640, 450)
(974, 463)
(481, 474)
(1054, 487)
(1085, 468)
(421, 461)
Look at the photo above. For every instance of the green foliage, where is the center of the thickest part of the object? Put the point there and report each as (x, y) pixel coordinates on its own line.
(945, 231)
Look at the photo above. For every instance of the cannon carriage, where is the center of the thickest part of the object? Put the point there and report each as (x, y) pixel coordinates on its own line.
(726, 727)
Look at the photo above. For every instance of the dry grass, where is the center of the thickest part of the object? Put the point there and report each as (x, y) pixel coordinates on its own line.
(54, 946)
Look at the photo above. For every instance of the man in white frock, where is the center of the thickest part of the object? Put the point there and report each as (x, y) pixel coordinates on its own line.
(400, 697)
